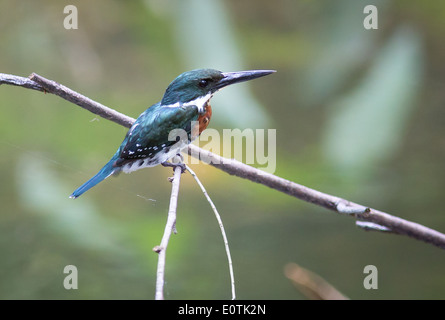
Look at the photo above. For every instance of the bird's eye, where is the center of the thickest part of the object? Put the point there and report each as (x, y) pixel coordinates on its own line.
(203, 83)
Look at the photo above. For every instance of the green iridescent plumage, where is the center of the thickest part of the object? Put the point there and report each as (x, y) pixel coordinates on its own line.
(149, 135)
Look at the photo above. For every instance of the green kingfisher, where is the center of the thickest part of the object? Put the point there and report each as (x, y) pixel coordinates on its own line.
(185, 106)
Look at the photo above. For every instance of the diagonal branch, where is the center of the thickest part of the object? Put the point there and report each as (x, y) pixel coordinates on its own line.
(392, 223)
(360, 212)
(20, 82)
(82, 101)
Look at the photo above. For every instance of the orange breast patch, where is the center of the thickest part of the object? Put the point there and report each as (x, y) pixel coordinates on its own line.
(204, 119)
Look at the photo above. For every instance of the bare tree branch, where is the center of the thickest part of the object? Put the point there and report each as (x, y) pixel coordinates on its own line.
(19, 81)
(82, 101)
(169, 228)
(392, 223)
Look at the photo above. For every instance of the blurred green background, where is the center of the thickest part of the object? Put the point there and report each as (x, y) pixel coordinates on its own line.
(359, 114)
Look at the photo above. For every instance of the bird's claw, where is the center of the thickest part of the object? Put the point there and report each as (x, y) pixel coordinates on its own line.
(174, 165)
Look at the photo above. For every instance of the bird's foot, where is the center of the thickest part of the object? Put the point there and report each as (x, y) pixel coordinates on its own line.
(175, 163)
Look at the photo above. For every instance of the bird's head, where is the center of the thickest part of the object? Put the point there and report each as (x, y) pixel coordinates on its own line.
(201, 84)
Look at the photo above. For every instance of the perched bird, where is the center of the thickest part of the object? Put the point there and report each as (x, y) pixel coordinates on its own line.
(185, 105)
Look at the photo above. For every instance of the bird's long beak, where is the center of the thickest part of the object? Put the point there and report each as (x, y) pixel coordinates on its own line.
(240, 76)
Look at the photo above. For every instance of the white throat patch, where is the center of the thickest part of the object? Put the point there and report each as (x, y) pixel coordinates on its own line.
(199, 102)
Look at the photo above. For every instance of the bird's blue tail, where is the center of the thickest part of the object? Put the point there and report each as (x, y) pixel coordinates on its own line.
(104, 173)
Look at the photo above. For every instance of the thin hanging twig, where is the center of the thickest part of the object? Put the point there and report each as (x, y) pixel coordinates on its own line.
(221, 226)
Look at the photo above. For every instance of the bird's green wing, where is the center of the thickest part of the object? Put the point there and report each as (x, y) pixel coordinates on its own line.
(150, 132)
